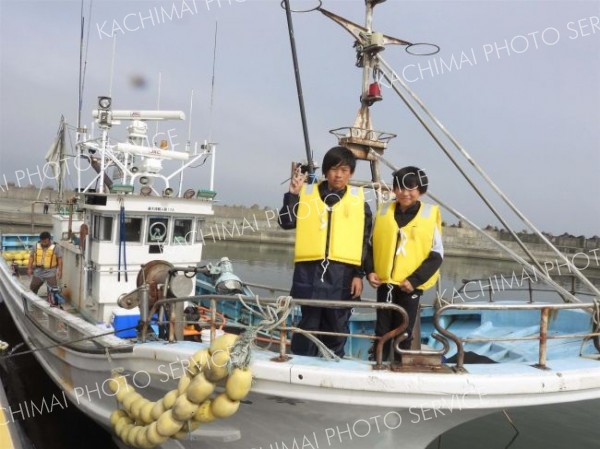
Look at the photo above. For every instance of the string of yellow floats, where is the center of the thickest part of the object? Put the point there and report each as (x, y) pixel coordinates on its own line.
(145, 424)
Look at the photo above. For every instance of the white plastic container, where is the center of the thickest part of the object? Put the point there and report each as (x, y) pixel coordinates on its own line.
(205, 334)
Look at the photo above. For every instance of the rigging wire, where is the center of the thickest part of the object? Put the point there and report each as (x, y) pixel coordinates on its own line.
(547, 278)
(83, 59)
(65, 343)
(201, 163)
(87, 41)
(393, 78)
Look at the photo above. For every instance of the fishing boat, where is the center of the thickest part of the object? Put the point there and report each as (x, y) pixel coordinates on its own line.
(142, 308)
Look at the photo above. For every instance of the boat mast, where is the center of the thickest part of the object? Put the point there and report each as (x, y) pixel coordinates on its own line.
(361, 138)
(369, 145)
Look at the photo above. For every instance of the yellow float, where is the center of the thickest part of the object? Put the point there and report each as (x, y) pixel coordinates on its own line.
(141, 423)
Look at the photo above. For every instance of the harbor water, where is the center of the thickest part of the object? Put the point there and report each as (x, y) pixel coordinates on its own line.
(573, 426)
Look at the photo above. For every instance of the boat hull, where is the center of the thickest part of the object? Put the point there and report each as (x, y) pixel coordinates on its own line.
(304, 402)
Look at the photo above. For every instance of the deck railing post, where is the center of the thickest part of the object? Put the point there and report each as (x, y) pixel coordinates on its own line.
(179, 317)
(172, 325)
(213, 319)
(543, 337)
(282, 345)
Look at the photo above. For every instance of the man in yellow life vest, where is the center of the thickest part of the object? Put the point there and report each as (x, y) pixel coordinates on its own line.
(407, 252)
(45, 263)
(333, 225)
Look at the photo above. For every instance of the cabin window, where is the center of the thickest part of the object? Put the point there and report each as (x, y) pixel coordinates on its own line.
(199, 226)
(157, 229)
(182, 231)
(133, 229)
(102, 229)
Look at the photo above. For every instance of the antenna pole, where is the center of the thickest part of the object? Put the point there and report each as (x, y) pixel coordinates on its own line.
(213, 150)
(112, 65)
(309, 155)
(188, 144)
(80, 93)
(212, 83)
(208, 145)
(80, 100)
(157, 107)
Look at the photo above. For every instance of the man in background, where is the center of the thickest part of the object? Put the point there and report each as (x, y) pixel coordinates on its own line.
(45, 263)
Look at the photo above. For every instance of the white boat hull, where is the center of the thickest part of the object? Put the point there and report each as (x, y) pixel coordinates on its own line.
(309, 402)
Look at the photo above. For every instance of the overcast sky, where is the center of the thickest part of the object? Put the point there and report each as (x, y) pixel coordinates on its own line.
(522, 96)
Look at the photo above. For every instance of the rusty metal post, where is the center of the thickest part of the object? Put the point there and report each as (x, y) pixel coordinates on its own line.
(283, 357)
(213, 319)
(543, 337)
(416, 332)
(179, 324)
(172, 325)
(70, 228)
(144, 306)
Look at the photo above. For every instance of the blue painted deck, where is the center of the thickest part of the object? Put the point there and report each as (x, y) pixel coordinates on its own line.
(514, 324)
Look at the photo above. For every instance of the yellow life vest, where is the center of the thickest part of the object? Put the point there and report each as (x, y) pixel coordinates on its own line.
(398, 252)
(345, 230)
(45, 259)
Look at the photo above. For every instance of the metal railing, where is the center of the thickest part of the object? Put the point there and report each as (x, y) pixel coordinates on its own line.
(502, 286)
(397, 335)
(70, 331)
(542, 337)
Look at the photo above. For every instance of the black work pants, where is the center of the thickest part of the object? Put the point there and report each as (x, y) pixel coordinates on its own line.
(321, 319)
(388, 320)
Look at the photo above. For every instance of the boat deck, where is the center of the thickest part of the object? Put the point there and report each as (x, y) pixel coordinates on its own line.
(503, 355)
(66, 325)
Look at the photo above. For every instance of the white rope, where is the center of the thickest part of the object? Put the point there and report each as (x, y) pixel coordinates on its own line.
(323, 216)
(389, 296)
(272, 316)
(596, 314)
(324, 265)
(402, 243)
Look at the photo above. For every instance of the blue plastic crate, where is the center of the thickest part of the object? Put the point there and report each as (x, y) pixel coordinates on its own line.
(362, 321)
(123, 319)
(18, 242)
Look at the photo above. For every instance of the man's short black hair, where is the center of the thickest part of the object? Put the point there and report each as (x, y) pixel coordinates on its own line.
(410, 178)
(338, 156)
(45, 235)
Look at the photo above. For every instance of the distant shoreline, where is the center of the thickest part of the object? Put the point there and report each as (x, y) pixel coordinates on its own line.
(259, 225)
